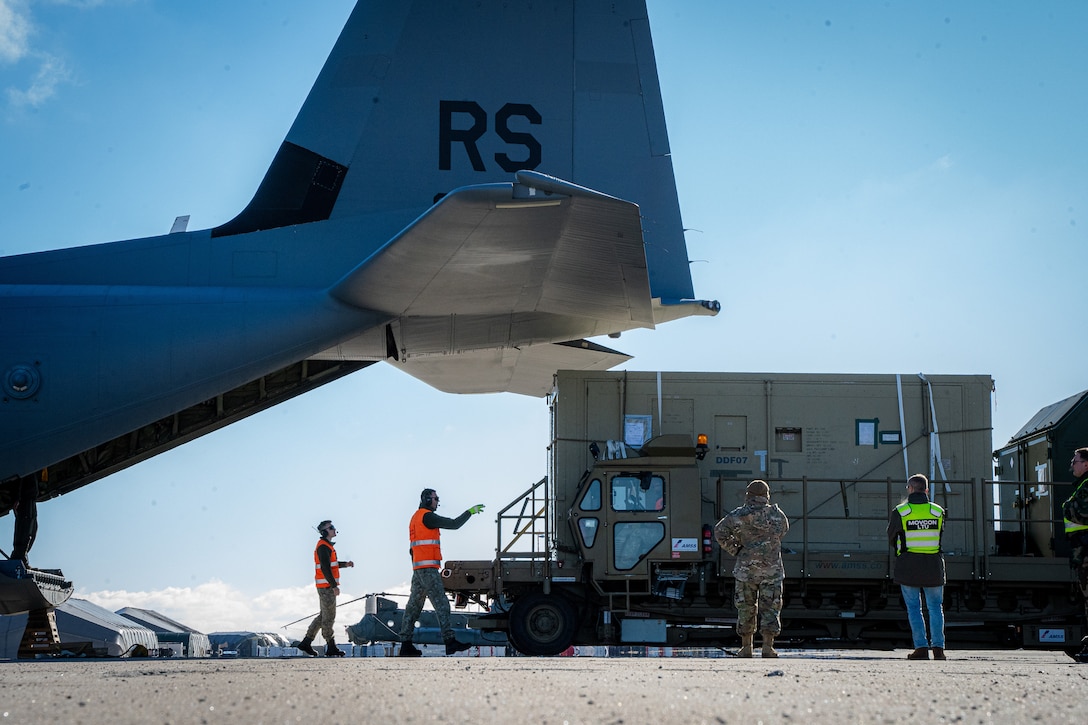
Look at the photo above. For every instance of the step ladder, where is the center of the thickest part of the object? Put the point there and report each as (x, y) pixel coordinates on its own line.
(40, 635)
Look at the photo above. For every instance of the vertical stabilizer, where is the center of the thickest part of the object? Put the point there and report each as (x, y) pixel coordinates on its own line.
(420, 98)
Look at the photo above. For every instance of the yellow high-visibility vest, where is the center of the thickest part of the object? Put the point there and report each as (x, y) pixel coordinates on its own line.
(1071, 527)
(922, 524)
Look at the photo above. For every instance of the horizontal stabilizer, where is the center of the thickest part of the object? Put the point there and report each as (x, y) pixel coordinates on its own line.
(460, 220)
(667, 311)
(528, 371)
(501, 249)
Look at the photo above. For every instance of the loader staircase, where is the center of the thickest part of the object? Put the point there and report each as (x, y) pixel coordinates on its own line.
(40, 635)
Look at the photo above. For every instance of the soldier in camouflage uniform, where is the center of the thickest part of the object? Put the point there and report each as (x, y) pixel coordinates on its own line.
(425, 548)
(327, 578)
(1075, 513)
(753, 533)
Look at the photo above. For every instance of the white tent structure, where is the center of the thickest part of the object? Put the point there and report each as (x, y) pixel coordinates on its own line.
(80, 621)
(186, 641)
(245, 644)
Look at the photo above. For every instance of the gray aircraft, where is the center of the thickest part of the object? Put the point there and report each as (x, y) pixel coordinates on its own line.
(469, 190)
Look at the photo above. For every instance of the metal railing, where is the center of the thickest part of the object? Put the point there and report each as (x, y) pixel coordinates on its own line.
(526, 526)
(983, 517)
(525, 522)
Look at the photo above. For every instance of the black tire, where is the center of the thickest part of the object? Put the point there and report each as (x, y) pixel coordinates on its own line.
(542, 625)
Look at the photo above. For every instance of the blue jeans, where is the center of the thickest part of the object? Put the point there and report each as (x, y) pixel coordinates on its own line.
(912, 596)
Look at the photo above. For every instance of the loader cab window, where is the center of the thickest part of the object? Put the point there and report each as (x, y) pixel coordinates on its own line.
(588, 529)
(633, 541)
(638, 492)
(589, 525)
(591, 500)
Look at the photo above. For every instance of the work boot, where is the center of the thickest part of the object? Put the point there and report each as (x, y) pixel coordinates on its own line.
(453, 646)
(331, 650)
(768, 645)
(938, 653)
(409, 650)
(306, 646)
(745, 645)
(922, 653)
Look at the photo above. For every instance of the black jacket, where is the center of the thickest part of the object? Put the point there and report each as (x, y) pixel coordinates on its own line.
(914, 570)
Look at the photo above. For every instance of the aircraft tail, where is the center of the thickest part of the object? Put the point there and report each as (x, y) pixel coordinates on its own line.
(420, 98)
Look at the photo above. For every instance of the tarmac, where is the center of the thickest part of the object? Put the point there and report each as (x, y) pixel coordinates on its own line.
(811, 687)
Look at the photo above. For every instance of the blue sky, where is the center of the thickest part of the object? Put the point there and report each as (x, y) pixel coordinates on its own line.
(875, 187)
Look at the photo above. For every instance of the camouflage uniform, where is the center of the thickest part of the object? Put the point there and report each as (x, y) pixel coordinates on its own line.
(426, 584)
(327, 579)
(1075, 509)
(426, 576)
(326, 616)
(753, 533)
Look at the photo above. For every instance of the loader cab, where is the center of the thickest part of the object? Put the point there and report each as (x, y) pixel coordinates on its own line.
(631, 512)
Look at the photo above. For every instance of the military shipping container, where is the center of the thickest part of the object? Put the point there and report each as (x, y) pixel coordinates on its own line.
(1038, 454)
(614, 545)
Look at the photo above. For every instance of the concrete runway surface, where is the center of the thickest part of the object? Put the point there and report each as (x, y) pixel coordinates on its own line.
(825, 686)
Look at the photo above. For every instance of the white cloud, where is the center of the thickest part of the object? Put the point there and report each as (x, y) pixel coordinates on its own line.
(945, 162)
(218, 607)
(215, 606)
(51, 73)
(15, 30)
(16, 24)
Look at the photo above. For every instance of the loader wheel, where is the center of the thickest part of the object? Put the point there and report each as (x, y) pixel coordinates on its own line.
(542, 625)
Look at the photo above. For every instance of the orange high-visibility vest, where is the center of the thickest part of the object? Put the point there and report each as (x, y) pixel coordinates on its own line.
(319, 576)
(426, 543)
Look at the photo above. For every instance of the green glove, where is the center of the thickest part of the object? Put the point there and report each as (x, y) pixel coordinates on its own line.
(477, 509)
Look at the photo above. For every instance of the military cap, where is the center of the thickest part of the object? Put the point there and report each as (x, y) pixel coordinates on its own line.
(758, 488)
